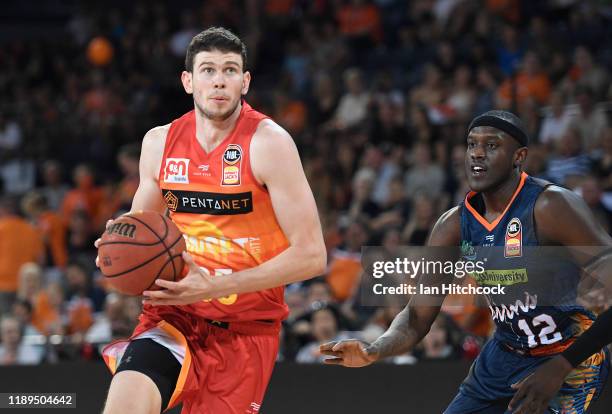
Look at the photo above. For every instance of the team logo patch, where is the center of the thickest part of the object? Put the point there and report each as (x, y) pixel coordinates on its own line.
(176, 170)
(232, 160)
(171, 201)
(514, 239)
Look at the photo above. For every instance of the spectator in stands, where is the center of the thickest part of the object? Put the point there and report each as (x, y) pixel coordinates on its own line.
(424, 176)
(54, 189)
(352, 109)
(85, 196)
(51, 225)
(345, 262)
(557, 120)
(12, 350)
(590, 120)
(324, 324)
(570, 161)
(531, 82)
(590, 190)
(20, 243)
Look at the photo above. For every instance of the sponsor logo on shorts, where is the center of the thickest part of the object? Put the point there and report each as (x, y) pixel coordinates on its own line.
(219, 204)
(176, 170)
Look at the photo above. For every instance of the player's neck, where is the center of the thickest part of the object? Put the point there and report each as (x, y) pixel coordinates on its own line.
(210, 132)
(497, 199)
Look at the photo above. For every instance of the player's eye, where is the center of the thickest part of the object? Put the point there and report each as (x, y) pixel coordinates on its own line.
(208, 70)
(231, 71)
(471, 145)
(492, 145)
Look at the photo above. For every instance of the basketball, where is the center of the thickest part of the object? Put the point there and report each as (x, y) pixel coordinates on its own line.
(138, 248)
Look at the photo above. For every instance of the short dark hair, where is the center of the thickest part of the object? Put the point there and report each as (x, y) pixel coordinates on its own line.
(215, 38)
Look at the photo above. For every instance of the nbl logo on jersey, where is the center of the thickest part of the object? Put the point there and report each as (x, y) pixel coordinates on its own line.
(176, 170)
(232, 159)
(514, 239)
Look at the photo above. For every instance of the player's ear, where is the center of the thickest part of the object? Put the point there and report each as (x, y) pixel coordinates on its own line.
(246, 82)
(520, 155)
(186, 79)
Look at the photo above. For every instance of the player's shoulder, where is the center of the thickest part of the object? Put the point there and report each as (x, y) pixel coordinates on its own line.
(447, 230)
(156, 137)
(271, 138)
(555, 198)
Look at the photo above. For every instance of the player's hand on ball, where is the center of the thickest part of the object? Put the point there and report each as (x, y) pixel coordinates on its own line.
(350, 353)
(98, 240)
(535, 392)
(197, 285)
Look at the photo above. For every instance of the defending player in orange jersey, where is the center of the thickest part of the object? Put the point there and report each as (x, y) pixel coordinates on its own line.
(233, 183)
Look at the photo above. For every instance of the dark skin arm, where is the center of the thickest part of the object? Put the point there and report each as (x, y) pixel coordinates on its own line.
(562, 218)
(410, 325)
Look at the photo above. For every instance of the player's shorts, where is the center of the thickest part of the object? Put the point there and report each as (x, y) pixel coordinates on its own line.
(224, 368)
(486, 389)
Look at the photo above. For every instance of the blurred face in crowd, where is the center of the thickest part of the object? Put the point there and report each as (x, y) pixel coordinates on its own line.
(83, 177)
(217, 83)
(318, 291)
(324, 326)
(9, 331)
(491, 157)
(591, 192)
(29, 280)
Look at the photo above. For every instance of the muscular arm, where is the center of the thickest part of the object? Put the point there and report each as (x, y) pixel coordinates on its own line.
(276, 164)
(410, 325)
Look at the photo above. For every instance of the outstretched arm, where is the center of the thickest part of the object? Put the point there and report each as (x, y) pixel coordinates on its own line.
(411, 324)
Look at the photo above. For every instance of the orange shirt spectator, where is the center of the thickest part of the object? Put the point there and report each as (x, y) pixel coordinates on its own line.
(530, 83)
(20, 243)
(85, 196)
(360, 19)
(343, 274)
(52, 226)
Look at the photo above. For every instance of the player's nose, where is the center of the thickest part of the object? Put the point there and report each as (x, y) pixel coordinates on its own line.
(477, 152)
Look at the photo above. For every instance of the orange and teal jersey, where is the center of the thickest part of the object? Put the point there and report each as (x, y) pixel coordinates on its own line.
(537, 314)
(225, 215)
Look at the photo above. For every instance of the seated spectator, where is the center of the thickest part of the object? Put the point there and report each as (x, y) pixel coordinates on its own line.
(590, 190)
(421, 222)
(324, 323)
(345, 262)
(591, 119)
(424, 176)
(12, 350)
(52, 226)
(530, 82)
(586, 73)
(438, 344)
(85, 196)
(20, 243)
(23, 312)
(556, 121)
(570, 161)
(54, 189)
(352, 109)
(112, 323)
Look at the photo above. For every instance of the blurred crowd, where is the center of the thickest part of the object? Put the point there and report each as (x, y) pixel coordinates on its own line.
(377, 95)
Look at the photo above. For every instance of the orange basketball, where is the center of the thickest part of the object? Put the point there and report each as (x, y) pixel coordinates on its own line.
(100, 51)
(138, 248)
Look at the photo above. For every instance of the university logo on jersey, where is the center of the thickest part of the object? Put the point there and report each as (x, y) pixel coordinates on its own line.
(514, 239)
(232, 160)
(176, 170)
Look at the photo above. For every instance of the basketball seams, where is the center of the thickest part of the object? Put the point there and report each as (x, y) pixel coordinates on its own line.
(147, 261)
(160, 238)
(171, 260)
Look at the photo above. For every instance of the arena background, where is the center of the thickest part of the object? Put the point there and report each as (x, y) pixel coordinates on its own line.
(376, 94)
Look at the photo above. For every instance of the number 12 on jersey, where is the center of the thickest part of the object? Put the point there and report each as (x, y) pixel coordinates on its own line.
(548, 333)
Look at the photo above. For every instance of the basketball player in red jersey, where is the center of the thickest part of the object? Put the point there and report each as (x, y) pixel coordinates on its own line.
(233, 183)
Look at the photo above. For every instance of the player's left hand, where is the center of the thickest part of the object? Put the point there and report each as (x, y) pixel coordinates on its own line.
(534, 392)
(197, 285)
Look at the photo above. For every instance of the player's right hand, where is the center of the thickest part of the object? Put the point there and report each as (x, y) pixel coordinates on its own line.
(350, 353)
(99, 239)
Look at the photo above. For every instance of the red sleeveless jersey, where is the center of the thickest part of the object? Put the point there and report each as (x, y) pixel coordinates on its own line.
(225, 215)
